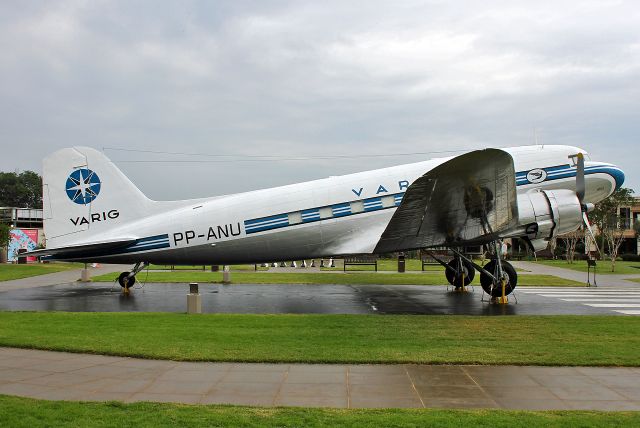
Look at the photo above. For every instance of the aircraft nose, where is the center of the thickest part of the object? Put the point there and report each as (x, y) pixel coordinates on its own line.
(614, 171)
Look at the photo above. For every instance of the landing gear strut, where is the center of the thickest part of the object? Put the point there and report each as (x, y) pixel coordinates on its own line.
(128, 279)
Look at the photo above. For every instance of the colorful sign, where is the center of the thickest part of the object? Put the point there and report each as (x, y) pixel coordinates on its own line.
(22, 239)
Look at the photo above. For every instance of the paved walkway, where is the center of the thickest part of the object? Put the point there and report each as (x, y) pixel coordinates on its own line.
(602, 280)
(64, 376)
(63, 277)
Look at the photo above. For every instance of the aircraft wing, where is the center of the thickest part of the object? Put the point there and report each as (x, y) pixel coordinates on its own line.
(465, 201)
(80, 250)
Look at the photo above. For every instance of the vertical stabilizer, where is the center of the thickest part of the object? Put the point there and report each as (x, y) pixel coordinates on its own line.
(85, 194)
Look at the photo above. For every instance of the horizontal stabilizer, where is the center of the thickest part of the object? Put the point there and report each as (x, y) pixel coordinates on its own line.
(74, 251)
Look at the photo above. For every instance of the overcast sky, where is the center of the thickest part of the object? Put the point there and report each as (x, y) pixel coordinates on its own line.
(307, 79)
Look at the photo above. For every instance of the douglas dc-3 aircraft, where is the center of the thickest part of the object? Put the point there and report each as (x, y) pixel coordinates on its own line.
(93, 213)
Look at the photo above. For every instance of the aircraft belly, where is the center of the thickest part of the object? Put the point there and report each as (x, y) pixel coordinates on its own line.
(335, 237)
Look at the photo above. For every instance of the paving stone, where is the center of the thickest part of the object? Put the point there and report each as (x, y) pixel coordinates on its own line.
(377, 401)
(253, 377)
(314, 390)
(165, 398)
(459, 403)
(316, 377)
(175, 387)
(590, 393)
(304, 401)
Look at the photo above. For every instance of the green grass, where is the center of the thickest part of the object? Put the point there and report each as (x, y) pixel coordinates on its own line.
(15, 271)
(437, 339)
(603, 266)
(26, 412)
(360, 278)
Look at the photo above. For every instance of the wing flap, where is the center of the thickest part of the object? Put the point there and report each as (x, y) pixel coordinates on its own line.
(468, 199)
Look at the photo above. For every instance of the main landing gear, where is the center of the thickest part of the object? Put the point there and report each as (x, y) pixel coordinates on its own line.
(503, 274)
(459, 273)
(498, 278)
(128, 279)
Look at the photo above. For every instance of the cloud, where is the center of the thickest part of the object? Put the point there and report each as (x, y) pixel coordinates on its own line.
(308, 78)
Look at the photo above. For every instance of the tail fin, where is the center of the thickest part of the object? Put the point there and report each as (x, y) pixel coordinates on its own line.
(84, 194)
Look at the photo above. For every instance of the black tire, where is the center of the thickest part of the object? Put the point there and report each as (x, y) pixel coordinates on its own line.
(454, 278)
(487, 282)
(129, 281)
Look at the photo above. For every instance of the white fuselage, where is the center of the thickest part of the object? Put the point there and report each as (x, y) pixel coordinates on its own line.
(328, 217)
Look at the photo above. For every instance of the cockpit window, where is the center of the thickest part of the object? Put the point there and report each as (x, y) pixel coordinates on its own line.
(574, 158)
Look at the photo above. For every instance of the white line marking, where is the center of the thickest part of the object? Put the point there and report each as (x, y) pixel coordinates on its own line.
(580, 291)
(606, 299)
(613, 305)
(588, 295)
(629, 312)
(595, 289)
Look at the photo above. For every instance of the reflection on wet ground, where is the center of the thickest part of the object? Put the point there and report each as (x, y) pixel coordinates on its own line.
(289, 298)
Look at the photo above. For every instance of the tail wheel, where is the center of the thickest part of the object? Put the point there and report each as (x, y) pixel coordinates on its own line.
(495, 290)
(125, 281)
(454, 277)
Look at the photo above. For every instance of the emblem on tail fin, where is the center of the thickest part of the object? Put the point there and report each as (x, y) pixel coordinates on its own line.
(83, 186)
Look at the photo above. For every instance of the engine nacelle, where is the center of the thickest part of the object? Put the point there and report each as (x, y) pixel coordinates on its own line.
(549, 213)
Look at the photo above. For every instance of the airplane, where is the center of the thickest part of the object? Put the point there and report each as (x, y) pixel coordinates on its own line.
(94, 213)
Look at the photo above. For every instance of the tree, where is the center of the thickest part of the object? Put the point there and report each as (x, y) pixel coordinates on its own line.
(570, 241)
(23, 190)
(611, 227)
(5, 236)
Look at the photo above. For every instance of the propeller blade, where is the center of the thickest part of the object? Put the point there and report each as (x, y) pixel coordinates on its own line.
(580, 184)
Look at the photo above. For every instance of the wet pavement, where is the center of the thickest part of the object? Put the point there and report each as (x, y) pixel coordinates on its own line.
(63, 376)
(323, 299)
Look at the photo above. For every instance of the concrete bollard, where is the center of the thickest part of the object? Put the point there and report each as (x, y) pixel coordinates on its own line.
(194, 300)
(85, 275)
(226, 275)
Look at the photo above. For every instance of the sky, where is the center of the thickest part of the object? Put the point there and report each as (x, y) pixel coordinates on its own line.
(266, 93)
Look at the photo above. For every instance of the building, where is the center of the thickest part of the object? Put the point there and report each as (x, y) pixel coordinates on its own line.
(26, 230)
(630, 216)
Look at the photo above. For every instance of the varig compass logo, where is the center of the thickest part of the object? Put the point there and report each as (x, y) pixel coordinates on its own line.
(83, 186)
(536, 175)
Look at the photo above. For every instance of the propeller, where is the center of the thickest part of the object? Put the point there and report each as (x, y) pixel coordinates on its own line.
(581, 189)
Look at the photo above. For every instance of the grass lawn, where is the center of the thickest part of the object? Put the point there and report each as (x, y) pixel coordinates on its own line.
(438, 339)
(604, 266)
(26, 412)
(15, 271)
(327, 278)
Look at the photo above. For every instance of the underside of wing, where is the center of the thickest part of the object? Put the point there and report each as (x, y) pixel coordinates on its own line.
(464, 201)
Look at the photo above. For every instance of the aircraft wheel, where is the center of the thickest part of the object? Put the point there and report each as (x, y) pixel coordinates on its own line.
(454, 278)
(126, 282)
(487, 282)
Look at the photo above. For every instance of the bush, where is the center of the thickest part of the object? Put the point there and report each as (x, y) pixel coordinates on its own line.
(630, 257)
